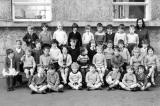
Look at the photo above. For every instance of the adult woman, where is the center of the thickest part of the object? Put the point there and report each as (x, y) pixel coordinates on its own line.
(142, 31)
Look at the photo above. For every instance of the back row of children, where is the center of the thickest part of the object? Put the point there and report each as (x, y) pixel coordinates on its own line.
(90, 61)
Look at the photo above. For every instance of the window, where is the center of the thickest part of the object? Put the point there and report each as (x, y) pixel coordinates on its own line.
(130, 10)
(32, 10)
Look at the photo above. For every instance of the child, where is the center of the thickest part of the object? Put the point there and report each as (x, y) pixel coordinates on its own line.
(100, 62)
(28, 63)
(117, 60)
(45, 59)
(65, 60)
(53, 80)
(75, 35)
(124, 53)
(37, 52)
(87, 36)
(60, 35)
(55, 52)
(92, 79)
(151, 63)
(109, 34)
(83, 61)
(142, 79)
(132, 38)
(136, 59)
(113, 78)
(73, 50)
(129, 81)
(18, 53)
(39, 82)
(108, 52)
(9, 71)
(45, 36)
(30, 37)
(143, 50)
(91, 50)
(75, 77)
(100, 34)
(120, 35)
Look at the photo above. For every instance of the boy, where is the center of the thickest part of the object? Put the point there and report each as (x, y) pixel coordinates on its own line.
(45, 36)
(73, 50)
(92, 79)
(109, 34)
(75, 77)
(129, 81)
(100, 62)
(30, 37)
(60, 35)
(113, 78)
(38, 83)
(45, 59)
(9, 71)
(100, 34)
(53, 81)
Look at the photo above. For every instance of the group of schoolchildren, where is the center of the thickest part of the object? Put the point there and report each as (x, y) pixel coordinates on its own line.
(93, 61)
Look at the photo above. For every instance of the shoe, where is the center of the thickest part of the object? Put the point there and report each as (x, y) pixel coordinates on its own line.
(108, 89)
(44, 92)
(88, 89)
(9, 89)
(33, 92)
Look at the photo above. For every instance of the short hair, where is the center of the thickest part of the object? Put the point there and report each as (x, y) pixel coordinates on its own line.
(132, 26)
(116, 48)
(99, 47)
(28, 50)
(120, 41)
(82, 49)
(9, 51)
(31, 27)
(44, 25)
(109, 26)
(121, 26)
(64, 46)
(51, 66)
(19, 41)
(75, 25)
(142, 66)
(129, 67)
(37, 41)
(87, 27)
(150, 48)
(73, 40)
(46, 47)
(99, 25)
(75, 64)
(92, 65)
(54, 41)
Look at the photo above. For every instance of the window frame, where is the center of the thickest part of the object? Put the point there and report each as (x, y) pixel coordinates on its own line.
(14, 4)
(147, 4)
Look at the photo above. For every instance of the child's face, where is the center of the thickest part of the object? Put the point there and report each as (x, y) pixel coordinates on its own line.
(64, 50)
(99, 50)
(19, 45)
(99, 29)
(140, 23)
(87, 30)
(136, 53)
(54, 45)
(116, 52)
(109, 30)
(52, 71)
(44, 28)
(74, 69)
(38, 45)
(150, 52)
(120, 30)
(109, 45)
(130, 71)
(85, 52)
(30, 30)
(40, 70)
(11, 55)
(120, 45)
(73, 43)
(46, 51)
(93, 44)
(92, 69)
(28, 53)
(141, 70)
(74, 29)
(115, 69)
(59, 26)
(131, 30)
(144, 45)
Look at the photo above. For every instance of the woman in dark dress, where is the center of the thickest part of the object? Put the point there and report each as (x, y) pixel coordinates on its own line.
(142, 31)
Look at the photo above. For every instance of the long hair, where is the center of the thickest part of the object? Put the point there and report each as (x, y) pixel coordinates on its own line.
(143, 23)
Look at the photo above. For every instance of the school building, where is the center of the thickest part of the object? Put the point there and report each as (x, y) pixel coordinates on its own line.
(16, 15)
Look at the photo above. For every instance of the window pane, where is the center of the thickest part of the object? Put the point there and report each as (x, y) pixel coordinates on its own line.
(32, 12)
(131, 12)
(128, 0)
(39, 1)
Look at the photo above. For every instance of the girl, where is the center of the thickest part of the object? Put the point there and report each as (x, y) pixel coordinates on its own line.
(9, 71)
(60, 35)
(142, 78)
(109, 52)
(151, 63)
(64, 62)
(92, 79)
(129, 81)
(87, 36)
(75, 77)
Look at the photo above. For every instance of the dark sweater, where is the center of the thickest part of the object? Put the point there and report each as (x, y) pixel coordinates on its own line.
(109, 37)
(74, 53)
(36, 54)
(76, 36)
(30, 39)
(7, 63)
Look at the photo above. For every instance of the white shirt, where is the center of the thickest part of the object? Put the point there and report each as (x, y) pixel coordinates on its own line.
(132, 38)
(55, 53)
(120, 36)
(87, 37)
(60, 36)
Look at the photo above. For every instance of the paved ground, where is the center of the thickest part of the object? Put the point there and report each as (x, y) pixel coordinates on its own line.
(22, 97)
